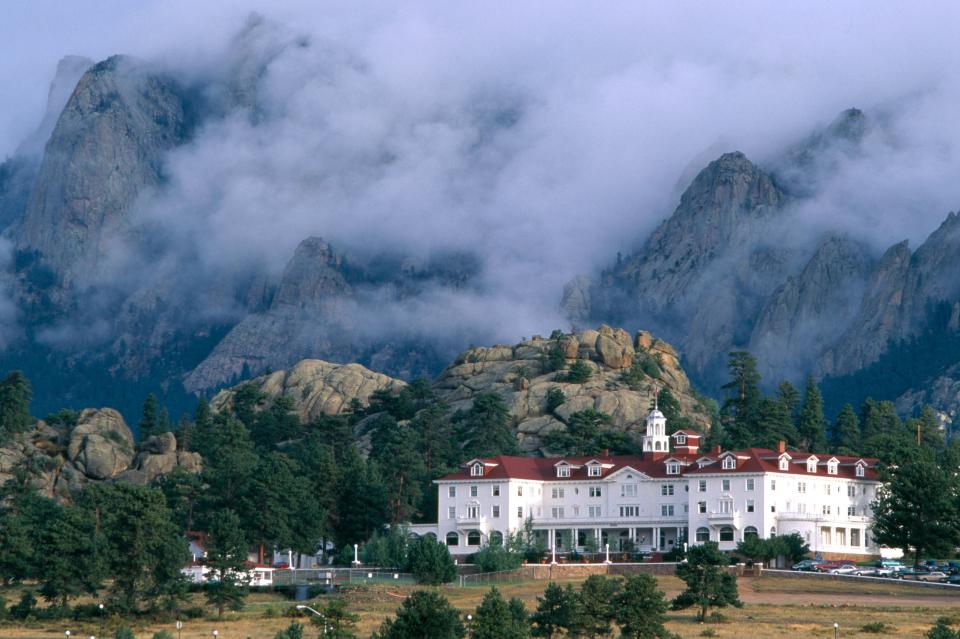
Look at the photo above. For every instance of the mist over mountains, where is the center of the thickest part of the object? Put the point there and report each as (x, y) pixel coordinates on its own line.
(390, 187)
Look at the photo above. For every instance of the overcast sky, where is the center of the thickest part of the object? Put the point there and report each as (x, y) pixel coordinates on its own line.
(545, 135)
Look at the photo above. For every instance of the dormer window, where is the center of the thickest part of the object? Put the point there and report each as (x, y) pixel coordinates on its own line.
(476, 470)
(860, 470)
(673, 469)
(593, 470)
(784, 463)
(812, 465)
(681, 439)
(563, 471)
(729, 463)
(832, 467)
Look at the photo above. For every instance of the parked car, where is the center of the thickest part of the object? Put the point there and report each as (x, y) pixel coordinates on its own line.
(920, 574)
(953, 579)
(807, 565)
(845, 569)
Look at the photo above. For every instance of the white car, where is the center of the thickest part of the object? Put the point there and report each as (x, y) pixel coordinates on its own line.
(845, 569)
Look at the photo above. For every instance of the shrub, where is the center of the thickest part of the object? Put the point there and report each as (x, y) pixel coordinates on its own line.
(163, 634)
(877, 627)
(124, 632)
(717, 617)
(555, 398)
(293, 631)
(26, 607)
(579, 372)
(555, 359)
(708, 632)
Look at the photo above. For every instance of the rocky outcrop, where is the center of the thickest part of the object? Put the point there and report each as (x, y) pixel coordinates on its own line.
(518, 373)
(100, 446)
(61, 459)
(317, 387)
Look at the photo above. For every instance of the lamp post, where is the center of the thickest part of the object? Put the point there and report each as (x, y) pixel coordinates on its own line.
(67, 634)
(215, 634)
(469, 622)
(606, 549)
(101, 607)
(317, 613)
(179, 628)
(356, 554)
(836, 630)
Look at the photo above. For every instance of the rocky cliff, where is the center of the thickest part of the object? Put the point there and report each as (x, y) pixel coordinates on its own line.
(61, 458)
(106, 148)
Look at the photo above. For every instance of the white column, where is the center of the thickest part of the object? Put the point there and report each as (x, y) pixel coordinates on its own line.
(656, 538)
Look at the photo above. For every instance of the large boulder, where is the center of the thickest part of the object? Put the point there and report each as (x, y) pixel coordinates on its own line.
(101, 445)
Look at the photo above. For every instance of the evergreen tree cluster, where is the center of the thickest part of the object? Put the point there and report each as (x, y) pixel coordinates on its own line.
(748, 418)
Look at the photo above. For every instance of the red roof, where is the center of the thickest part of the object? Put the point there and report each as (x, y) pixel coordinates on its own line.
(763, 460)
(750, 460)
(544, 468)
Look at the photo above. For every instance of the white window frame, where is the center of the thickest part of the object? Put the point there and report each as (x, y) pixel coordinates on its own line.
(495, 490)
(725, 485)
(702, 507)
(750, 484)
(729, 462)
(563, 471)
(673, 469)
(751, 506)
(702, 486)
(451, 512)
(832, 468)
(681, 439)
(474, 490)
(495, 511)
(811, 465)
(476, 470)
(595, 512)
(557, 512)
(666, 490)
(628, 490)
(851, 490)
(802, 487)
(520, 512)
(451, 491)
(596, 491)
(594, 470)
(666, 510)
(860, 470)
(557, 492)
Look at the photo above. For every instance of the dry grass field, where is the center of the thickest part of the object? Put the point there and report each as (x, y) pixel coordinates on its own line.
(774, 608)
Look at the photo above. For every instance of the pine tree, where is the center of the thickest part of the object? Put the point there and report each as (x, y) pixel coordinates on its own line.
(485, 428)
(227, 559)
(776, 424)
(709, 580)
(917, 509)
(337, 621)
(931, 435)
(641, 609)
(429, 562)
(150, 419)
(595, 607)
(71, 563)
(553, 613)
(846, 432)
(739, 412)
(495, 619)
(361, 500)
(423, 614)
(812, 424)
(15, 396)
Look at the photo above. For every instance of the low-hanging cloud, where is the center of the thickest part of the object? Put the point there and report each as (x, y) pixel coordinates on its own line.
(544, 138)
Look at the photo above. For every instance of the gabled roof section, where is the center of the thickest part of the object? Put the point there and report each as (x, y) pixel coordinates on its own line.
(688, 433)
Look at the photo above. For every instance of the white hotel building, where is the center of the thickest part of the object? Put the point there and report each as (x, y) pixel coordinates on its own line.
(669, 495)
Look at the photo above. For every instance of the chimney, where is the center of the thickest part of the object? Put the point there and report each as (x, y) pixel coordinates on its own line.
(606, 452)
(781, 446)
(716, 449)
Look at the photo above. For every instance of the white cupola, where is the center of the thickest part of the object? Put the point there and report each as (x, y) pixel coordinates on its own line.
(656, 439)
